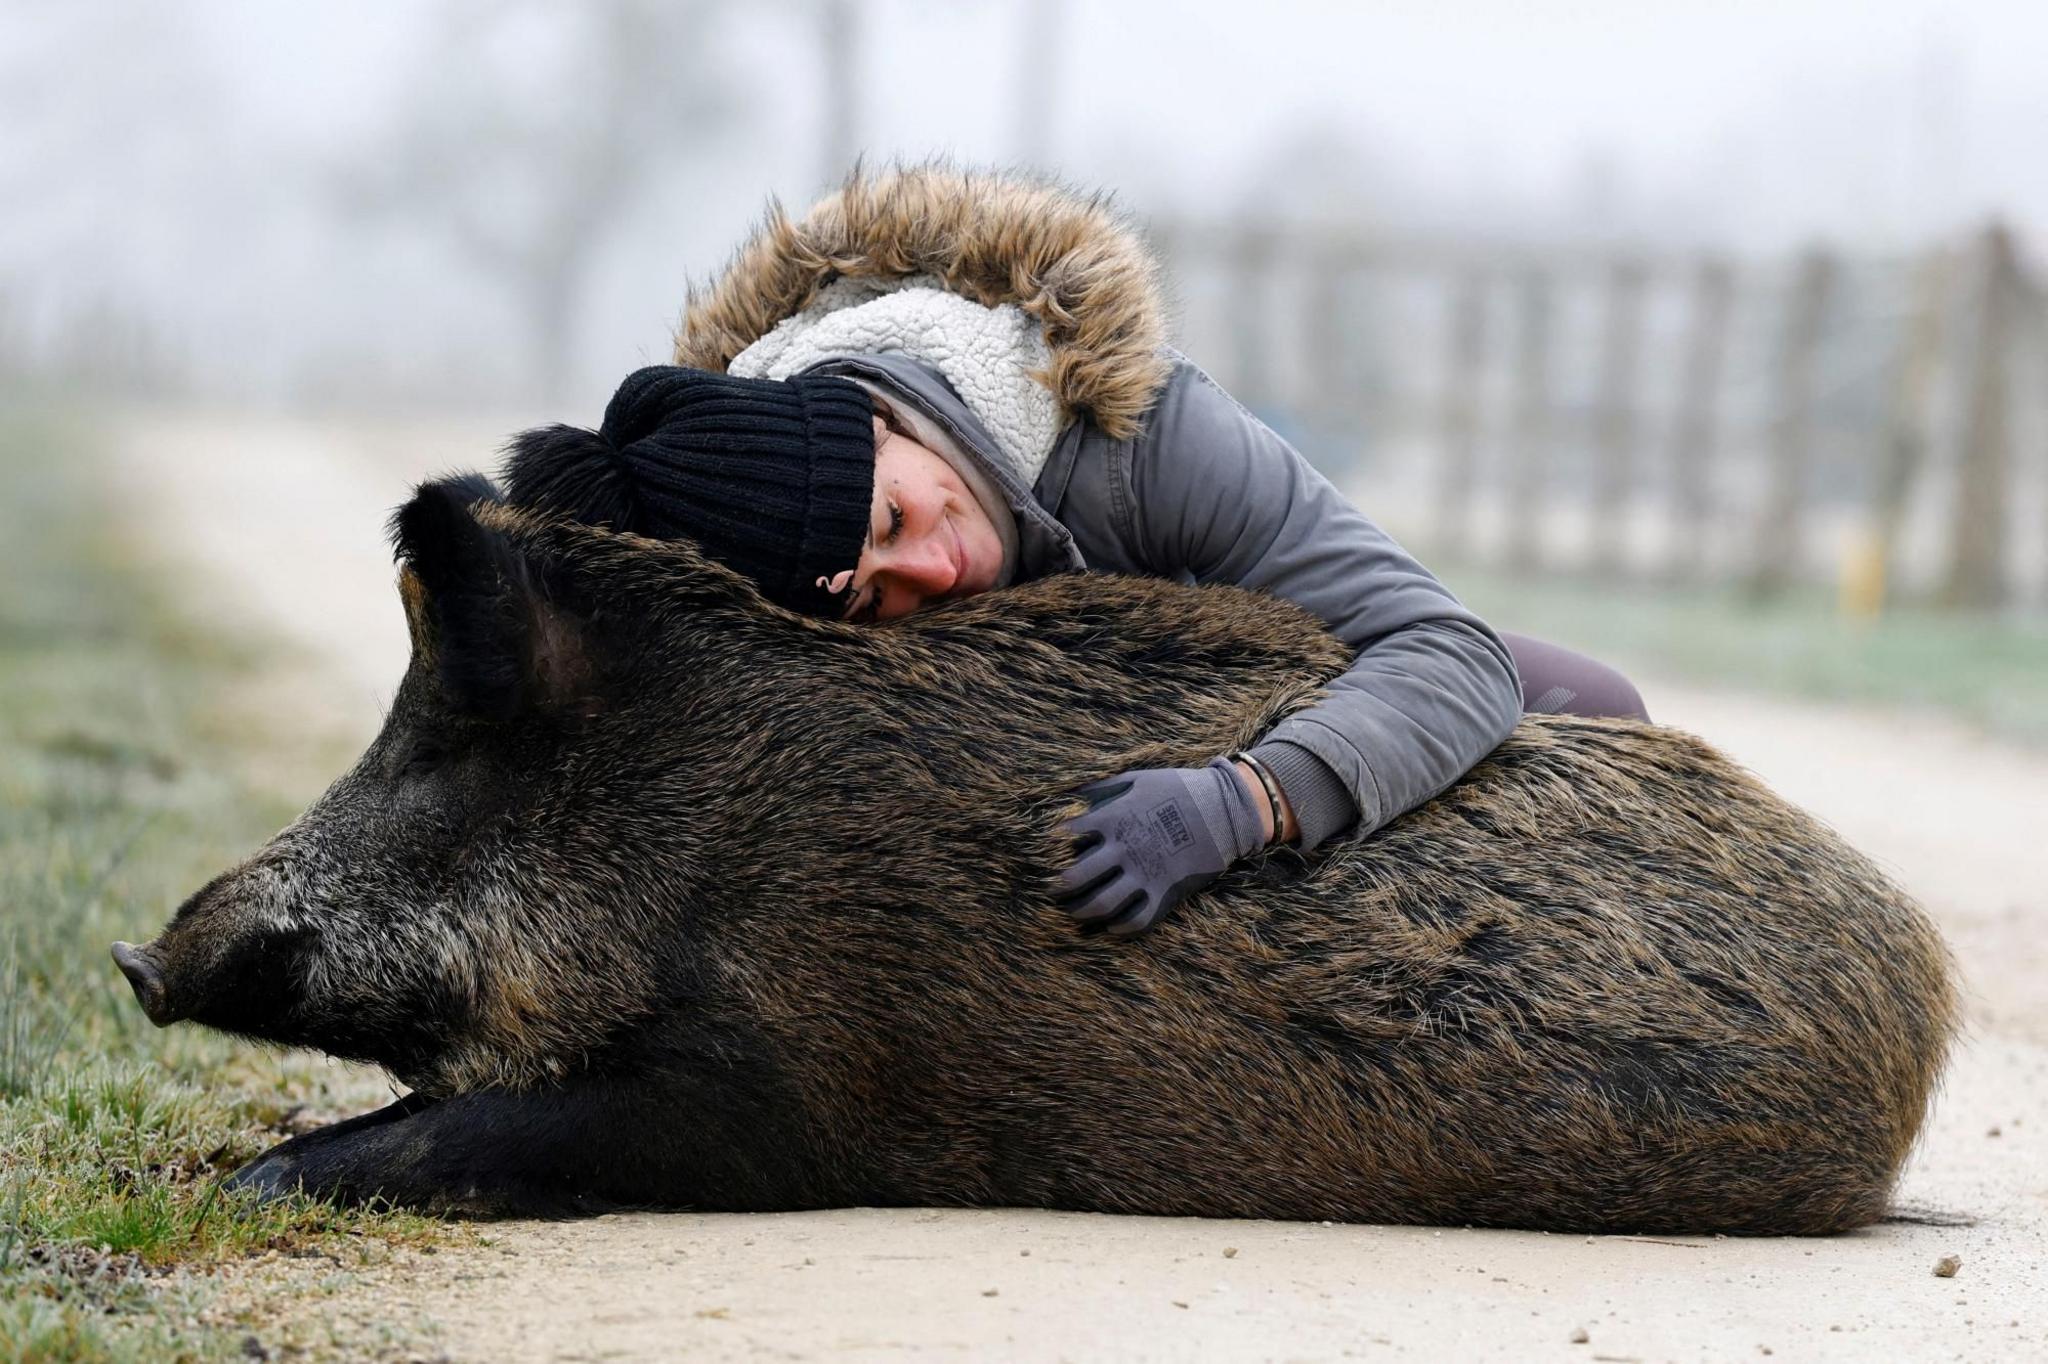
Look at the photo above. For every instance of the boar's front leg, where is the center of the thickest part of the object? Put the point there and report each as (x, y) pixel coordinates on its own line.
(571, 1150)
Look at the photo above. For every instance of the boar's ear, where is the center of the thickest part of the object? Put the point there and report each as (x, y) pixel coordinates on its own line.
(478, 610)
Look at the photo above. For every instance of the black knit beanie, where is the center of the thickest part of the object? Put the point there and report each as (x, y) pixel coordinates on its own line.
(774, 478)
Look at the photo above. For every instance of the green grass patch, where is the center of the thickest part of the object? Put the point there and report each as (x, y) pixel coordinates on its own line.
(124, 785)
(1989, 670)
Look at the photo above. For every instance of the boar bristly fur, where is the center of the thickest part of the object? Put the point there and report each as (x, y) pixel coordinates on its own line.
(660, 895)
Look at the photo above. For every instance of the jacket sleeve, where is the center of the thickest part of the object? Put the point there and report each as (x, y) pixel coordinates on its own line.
(1217, 496)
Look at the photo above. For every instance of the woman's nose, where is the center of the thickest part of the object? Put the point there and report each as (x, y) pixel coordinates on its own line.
(925, 564)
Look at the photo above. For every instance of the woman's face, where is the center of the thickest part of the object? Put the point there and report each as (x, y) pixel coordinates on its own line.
(928, 538)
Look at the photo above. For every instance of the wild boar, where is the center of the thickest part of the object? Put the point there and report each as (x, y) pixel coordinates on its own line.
(659, 895)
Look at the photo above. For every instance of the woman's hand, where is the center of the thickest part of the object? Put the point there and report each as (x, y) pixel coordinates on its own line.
(1152, 837)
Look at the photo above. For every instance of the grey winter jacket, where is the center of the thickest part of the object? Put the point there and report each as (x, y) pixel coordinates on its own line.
(1206, 493)
(1153, 469)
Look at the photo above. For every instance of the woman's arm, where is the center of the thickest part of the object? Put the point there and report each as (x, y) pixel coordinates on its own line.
(1213, 494)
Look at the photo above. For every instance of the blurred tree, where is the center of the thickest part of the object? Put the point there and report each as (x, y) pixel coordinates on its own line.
(1039, 64)
(1327, 173)
(839, 50)
(99, 187)
(529, 132)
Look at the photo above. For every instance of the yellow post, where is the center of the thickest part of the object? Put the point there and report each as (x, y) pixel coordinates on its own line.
(1859, 593)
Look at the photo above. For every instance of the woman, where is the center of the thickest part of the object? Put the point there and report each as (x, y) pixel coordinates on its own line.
(939, 383)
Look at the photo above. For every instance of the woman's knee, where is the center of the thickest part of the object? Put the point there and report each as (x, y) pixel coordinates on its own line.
(1559, 681)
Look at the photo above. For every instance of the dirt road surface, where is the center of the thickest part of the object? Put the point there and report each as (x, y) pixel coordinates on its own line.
(279, 525)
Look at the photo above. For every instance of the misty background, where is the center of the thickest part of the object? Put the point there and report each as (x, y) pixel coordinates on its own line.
(1736, 293)
(360, 202)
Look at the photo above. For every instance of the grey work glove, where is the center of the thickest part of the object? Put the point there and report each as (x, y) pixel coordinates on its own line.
(1151, 838)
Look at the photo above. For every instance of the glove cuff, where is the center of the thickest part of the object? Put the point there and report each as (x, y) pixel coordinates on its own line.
(1247, 836)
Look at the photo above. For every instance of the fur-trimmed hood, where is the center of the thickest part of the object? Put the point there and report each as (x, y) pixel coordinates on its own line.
(1066, 258)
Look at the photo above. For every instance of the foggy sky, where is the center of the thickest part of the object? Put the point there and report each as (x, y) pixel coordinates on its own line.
(181, 163)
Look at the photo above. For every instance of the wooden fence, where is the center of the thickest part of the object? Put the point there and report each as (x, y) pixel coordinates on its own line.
(1877, 425)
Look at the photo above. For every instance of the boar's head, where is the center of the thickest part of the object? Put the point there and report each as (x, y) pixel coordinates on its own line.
(615, 782)
(498, 881)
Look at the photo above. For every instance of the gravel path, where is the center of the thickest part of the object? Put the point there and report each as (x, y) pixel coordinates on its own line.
(280, 524)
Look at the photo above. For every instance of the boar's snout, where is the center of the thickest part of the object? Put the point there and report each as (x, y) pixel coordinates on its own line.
(147, 979)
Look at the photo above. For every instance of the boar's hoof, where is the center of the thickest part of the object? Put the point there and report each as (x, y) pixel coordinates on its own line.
(147, 981)
(273, 1175)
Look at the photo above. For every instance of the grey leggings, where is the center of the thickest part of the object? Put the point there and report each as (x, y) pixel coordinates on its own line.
(1557, 681)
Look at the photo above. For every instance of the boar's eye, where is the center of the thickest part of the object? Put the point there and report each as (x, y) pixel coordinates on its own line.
(427, 756)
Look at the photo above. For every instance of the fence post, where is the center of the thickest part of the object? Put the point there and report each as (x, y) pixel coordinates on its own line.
(1529, 453)
(1170, 248)
(1458, 468)
(1780, 532)
(1177, 248)
(1615, 422)
(1334, 372)
(1977, 539)
(1695, 430)
(1250, 255)
(1904, 453)
(2038, 292)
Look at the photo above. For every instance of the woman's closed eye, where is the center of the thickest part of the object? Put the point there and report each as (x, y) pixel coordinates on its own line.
(869, 599)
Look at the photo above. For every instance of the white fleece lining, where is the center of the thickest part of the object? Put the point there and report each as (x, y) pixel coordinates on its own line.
(986, 354)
